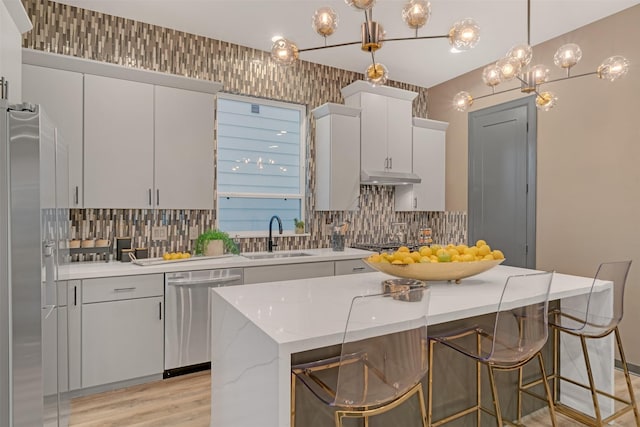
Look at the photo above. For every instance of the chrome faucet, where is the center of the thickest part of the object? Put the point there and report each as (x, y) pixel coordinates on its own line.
(270, 243)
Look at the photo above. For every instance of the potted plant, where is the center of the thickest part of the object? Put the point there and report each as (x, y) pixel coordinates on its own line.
(299, 226)
(215, 242)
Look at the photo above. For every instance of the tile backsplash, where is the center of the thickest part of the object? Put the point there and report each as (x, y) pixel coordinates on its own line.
(69, 30)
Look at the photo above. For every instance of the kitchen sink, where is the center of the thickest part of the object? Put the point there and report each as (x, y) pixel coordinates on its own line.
(275, 255)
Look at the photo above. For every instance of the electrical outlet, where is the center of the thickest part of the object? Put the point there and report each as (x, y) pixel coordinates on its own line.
(194, 232)
(159, 233)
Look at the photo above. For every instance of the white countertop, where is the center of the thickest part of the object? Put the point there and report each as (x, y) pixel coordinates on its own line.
(90, 270)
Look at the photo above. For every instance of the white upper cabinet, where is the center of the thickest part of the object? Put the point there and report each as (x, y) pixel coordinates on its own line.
(337, 157)
(428, 163)
(184, 160)
(118, 143)
(385, 126)
(60, 94)
(13, 22)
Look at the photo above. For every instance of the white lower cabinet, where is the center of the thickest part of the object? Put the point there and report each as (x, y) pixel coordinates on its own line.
(351, 266)
(122, 338)
(276, 273)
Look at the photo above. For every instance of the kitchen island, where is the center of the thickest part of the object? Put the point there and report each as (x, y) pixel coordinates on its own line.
(257, 329)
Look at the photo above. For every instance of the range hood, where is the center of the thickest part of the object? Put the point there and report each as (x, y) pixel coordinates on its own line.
(368, 177)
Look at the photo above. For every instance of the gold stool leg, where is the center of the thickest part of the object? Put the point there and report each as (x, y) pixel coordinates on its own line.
(592, 385)
(625, 368)
(423, 411)
(556, 363)
(293, 400)
(496, 400)
(519, 405)
(430, 384)
(479, 381)
(547, 390)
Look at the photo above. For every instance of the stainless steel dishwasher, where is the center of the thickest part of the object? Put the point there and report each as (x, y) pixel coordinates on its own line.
(187, 330)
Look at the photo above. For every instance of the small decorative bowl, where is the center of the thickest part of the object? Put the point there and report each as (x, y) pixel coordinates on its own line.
(401, 288)
(435, 271)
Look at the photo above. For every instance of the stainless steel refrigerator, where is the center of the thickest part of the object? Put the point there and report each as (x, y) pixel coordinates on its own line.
(34, 220)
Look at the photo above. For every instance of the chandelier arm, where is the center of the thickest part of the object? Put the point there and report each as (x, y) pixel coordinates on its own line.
(328, 46)
(571, 77)
(359, 42)
(398, 39)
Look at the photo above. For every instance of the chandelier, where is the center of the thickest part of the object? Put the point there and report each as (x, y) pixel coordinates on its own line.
(463, 35)
(515, 65)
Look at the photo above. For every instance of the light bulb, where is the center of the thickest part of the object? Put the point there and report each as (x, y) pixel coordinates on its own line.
(546, 101)
(491, 75)
(540, 73)
(613, 68)
(361, 4)
(416, 13)
(567, 55)
(325, 21)
(509, 68)
(284, 52)
(377, 74)
(464, 35)
(462, 100)
(522, 53)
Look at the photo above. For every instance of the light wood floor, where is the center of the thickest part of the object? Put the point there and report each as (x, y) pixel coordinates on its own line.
(185, 401)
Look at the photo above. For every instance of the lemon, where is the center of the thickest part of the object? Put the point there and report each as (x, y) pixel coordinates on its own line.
(409, 260)
(440, 252)
(480, 243)
(444, 256)
(186, 255)
(461, 248)
(415, 255)
(484, 250)
(467, 258)
(425, 251)
(396, 262)
(497, 254)
(425, 259)
(453, 251)
(176, 255)
(435, 248)
(403, 249)
(487, 257)
(375, 258)
(456, 258)
(166, 256)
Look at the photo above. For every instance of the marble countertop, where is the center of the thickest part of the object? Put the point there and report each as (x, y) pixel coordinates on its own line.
(293, 312)
(113, 269)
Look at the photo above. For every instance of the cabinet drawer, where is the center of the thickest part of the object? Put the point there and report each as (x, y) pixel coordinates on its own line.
(121, 288)
(352, 266)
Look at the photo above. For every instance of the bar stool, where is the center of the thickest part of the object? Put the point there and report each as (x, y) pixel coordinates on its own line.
(373, 374)
(591, 322)
(512, 338)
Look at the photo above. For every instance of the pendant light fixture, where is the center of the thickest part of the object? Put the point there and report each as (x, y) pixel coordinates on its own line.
(463, 35)
(515, 65)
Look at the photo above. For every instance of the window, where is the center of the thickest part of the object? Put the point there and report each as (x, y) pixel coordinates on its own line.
(260, 163)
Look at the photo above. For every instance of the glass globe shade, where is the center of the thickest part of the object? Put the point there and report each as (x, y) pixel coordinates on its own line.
(613, 68)
(567, 55)
(284, 52)
(540, 73)
(546, 101)
(464, 35)
(509, 68)
(462, 100)
(361, 4)
(522, 52)
(377, 74)
(491, 75)
(325, 21)
(416, 13)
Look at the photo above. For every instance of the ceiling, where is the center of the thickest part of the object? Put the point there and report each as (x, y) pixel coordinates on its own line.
(425, 63)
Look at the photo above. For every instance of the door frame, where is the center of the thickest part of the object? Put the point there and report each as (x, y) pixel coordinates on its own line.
(532, 138)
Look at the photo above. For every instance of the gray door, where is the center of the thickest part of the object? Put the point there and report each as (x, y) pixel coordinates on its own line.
(502, 176)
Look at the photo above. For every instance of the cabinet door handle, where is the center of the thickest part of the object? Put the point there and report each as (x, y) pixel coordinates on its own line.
(157, 196)
(160, 311)
(77, 197)
(415, 203)
(75, 295)
(386, 162)
(357, 268)
(150, 201)
(133, 288)
(390, 162)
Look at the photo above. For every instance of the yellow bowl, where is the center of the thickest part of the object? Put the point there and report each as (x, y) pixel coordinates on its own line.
(435, 270)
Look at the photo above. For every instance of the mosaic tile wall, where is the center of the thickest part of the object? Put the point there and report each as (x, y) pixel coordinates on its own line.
(82, 33)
